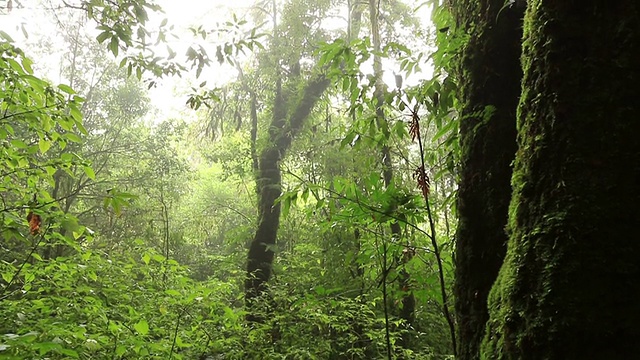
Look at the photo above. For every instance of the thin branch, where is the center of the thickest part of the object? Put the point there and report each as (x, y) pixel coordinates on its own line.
(425, 193)
(175, 333)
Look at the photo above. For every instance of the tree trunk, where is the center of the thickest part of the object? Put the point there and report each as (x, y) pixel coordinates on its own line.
(489, 74)
(569, 287)
(281, 132)
(408, 300)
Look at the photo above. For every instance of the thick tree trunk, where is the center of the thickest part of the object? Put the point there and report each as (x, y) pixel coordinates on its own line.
(489, 74)
(281, 132)
(570, 286)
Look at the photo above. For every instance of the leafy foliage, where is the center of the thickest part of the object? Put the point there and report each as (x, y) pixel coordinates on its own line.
(155, 268)
(37, 120)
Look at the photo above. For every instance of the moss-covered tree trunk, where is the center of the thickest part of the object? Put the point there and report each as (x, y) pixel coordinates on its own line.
(489, 74)
(284, 127)
(570, 285)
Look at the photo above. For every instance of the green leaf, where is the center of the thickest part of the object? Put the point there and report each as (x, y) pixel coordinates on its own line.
(5, 36)
(173, 292)
(46, 347)
(76, 114)
(89, 172)
(286, 205)
(26, 64)
(16, 66)
(121, 350)
(73, 137)
(114, 45)
(66, 88)
(6, 276)
(158, 258)
(18, 144)
(347, 139)
(67, 157)
(103, 36)
(44, 145)
(29, 277)
(79, 125)
(448, 127)
(142, 327)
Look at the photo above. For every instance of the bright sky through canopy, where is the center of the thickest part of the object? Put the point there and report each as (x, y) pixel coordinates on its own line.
(33, 19)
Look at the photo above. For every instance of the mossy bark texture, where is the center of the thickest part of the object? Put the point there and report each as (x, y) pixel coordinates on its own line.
(489, 74)
(284, 127)
(570, 284)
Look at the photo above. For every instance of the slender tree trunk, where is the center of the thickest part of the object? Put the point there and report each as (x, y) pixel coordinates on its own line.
(569, 287)
(253, 114)
(408, 300)
(254, 131)
(281, 133)
(489, 74)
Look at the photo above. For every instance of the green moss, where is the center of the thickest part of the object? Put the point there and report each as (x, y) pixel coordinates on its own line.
(490, 83)
(567, 288)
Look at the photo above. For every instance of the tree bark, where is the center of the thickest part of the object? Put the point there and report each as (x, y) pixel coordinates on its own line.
(281, 133)
(569, 286)
(489, 74)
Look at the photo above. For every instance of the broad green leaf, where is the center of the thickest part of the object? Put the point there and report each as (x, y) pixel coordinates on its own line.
(67, 157)
(142, 327)
(44, 145)
(103, 36)
(46, 347)
(158, 258)
(16, 66)
(114, 45)
(89, 172)
(6, 276)
(73, 137)
(66, 88)
(121, 350)
(79, 125)
(18, 144)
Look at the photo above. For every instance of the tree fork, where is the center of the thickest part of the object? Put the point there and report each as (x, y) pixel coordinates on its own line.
(281, 134)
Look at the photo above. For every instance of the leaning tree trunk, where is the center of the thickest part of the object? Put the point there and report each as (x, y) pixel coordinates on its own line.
(489, 74)
(281, 132)
(570, 284)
